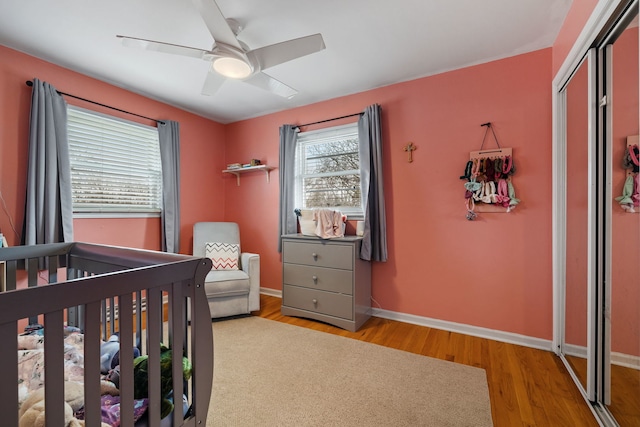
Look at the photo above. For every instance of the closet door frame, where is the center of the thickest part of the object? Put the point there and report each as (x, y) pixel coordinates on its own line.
(601, 15)
(600, 200)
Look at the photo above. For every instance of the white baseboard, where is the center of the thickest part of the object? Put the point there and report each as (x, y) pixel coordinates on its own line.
(620, 359)
(626, 360)
(575, 350)
(271, 292)
(475, 331)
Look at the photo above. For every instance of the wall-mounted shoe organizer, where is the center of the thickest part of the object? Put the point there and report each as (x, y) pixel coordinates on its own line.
(630, 198)
(489, 186)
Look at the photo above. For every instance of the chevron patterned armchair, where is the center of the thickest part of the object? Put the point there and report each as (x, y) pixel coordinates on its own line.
(233, 284)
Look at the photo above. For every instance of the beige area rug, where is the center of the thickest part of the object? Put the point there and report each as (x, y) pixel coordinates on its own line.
(268, 373)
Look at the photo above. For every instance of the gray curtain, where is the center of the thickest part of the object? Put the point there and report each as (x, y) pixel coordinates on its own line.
(374, 243)
(169, 137)
(288, 220)
(48, 204)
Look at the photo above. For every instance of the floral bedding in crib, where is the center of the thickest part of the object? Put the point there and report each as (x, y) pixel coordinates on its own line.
(31, 374)
(31, 362)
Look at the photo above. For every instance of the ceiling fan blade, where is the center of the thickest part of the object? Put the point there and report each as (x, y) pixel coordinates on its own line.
(216, 23)
(162, 47)
(212, 83)
(268, 83)
(278, 53)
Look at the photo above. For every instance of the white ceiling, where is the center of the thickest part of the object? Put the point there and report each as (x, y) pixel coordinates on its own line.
(369, 43)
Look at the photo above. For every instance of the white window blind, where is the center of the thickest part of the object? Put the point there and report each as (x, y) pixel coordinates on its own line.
(115, 164)
(328, 170)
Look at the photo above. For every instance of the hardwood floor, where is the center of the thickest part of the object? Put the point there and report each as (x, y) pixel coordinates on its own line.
(625, 390)
(527, 387)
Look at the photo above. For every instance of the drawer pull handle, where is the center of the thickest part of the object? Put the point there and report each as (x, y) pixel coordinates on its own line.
(314, 301)
(315, 279)
(315, 256)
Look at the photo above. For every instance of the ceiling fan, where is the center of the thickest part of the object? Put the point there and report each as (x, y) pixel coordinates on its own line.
(233, 59)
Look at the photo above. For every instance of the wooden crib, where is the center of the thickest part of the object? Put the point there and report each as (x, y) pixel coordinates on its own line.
(154, 297)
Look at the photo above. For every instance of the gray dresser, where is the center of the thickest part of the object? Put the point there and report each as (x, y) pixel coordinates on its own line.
(325, 279)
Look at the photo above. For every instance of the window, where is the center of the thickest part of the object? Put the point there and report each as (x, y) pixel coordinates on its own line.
(328, 170)
(115, 165)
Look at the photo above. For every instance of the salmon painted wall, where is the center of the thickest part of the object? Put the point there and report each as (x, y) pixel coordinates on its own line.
(494, 272)
(574, 22)
(202, 153)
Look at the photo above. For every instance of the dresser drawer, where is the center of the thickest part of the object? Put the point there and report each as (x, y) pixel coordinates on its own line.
(328, 303)
(318, 254)
(322, 278)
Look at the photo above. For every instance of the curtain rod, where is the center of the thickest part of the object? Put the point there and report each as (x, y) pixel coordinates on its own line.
(30, 83)
(329, 120)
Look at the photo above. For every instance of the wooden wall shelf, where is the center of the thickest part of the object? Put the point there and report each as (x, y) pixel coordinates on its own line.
(237, 172)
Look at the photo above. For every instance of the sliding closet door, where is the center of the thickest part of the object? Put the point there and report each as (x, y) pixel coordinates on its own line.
(579, 99)
(620, 313)
(597, 214)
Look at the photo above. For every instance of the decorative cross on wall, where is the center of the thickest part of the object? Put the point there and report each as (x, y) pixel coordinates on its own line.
(410, 148)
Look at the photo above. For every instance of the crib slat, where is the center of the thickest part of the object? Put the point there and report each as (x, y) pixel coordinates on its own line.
(125, 323)
(154, 337)
(11, 267)
(54, 367)
(176, 337)
(53, 269)
(73, 313)
(8, 371)
(91, 321)
(32, 270)
(32, 281)
(103, 306)
(143, 345)
(112, 324)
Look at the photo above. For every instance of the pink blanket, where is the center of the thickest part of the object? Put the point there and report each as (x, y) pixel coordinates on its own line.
(328, 223)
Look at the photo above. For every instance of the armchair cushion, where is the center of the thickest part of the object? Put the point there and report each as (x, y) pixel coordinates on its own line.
(226, 283)
(224, 256)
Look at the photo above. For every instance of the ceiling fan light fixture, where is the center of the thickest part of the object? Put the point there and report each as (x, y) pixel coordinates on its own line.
(232, 67)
